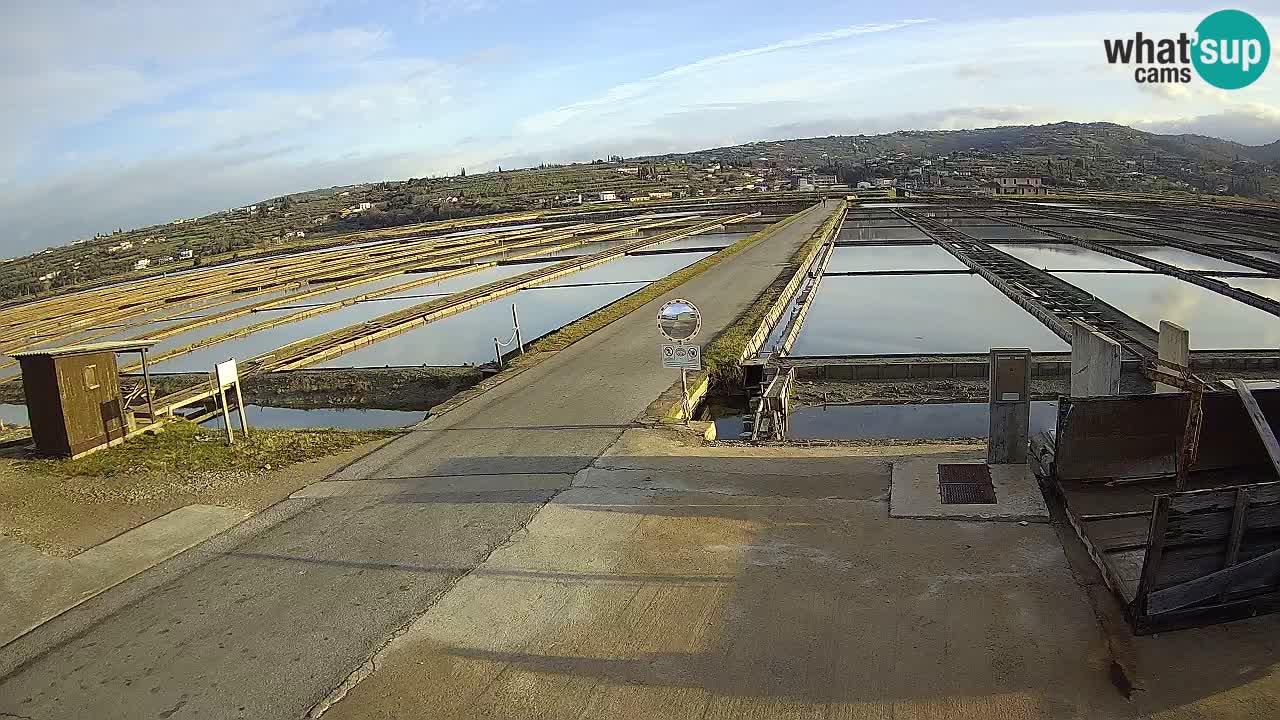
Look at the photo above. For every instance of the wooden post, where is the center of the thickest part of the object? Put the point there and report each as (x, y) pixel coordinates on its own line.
(146, 376)
(1095, 362)
(1154, 558)
(1174, 347)
(1265, 433)
(497, 351)
(244, 422)
(1190, 447)
(1238, 522)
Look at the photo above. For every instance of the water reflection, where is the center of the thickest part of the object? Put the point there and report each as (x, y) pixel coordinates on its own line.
(927, 421)
(859, 234)
(893, 314)
(1186, 259)
(1215, 321)
(468, 336)
(879, 258)
(1061, 256)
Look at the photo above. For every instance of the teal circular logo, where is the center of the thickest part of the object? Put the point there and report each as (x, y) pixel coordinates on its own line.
(1232, 49)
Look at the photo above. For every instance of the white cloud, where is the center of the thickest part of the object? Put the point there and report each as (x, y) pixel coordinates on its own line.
(1166, 91)
(57, 74)
(370, 96)
(552, 119)
(1251, 124)
(212, 115)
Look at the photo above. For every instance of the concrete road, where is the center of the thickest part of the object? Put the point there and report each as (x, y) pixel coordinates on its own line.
(683, 582)
(268, 619)
(755, 596)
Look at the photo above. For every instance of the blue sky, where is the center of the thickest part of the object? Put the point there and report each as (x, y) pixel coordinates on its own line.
(117, 114)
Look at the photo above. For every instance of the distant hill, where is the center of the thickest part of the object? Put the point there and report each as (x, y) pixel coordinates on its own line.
(1096, 156)
(1064, 139)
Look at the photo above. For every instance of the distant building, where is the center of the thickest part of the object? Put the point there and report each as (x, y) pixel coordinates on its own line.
(864, 185)
(142, 263)
(186, 254)
(876, 193)
(1020, 186)
(823, 182)
(49, 276)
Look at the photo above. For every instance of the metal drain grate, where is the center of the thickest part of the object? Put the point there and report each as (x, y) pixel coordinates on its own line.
(966, 484)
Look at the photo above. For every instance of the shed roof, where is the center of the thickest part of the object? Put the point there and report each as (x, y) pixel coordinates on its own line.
(117, 346)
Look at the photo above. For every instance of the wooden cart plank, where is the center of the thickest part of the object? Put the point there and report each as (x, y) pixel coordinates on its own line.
(1259, 423)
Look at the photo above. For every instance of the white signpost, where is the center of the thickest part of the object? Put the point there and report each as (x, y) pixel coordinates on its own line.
(227, 375)
(679, 321)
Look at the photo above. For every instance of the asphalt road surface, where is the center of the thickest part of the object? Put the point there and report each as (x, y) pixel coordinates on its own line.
(265, 621)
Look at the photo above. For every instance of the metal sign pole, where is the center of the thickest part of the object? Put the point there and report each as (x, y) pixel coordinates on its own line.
(684, 397)
(679, 321)
(515, 319)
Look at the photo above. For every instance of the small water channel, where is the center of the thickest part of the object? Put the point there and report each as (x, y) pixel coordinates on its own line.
(13, 414)
(919, 421)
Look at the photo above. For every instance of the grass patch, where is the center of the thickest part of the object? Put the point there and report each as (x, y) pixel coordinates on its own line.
(583, 327)
(184, 448)
(722, 357)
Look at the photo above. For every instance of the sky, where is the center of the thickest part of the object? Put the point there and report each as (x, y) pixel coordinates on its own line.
(121, 114)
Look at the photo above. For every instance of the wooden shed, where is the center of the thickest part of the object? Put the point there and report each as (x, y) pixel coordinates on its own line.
(73, 396)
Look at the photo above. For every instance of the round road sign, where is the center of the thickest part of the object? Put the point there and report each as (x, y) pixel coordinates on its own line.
(679, 320)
